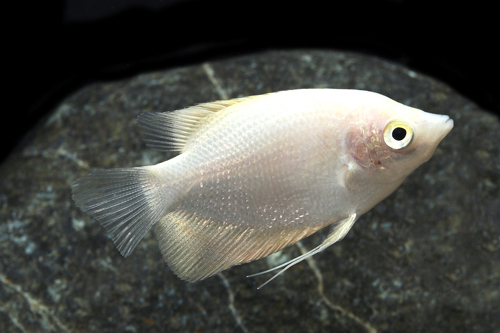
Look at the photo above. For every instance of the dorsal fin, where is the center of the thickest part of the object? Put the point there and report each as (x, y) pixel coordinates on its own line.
(169, 131)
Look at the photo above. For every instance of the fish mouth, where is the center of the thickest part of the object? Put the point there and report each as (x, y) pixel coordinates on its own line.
(444, 127)
(448, 124)
(437, 126)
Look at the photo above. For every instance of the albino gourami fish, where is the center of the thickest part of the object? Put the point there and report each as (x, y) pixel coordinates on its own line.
(259, 173)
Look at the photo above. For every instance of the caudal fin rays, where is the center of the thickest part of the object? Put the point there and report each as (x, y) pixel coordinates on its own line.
(127, 203)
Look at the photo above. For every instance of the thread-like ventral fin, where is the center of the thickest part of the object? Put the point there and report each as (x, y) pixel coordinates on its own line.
(170, 131)
(196, 247)
(338, 231)
(127, 202)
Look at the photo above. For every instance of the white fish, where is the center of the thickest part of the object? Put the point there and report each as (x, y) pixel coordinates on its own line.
(257, 174)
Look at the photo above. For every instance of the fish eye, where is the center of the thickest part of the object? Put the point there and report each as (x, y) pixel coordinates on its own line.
(398, 135)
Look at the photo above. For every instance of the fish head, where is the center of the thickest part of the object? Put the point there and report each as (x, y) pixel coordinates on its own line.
(391, 139)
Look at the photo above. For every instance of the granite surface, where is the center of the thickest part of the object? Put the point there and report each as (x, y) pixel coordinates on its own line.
(426, 259)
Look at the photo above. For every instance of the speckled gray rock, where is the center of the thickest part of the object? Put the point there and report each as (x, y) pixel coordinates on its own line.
(425, 259)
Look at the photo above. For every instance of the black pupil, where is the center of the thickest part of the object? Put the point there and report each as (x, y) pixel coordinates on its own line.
(399, 133)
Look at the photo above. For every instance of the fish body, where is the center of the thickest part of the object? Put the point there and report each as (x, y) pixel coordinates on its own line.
(259, 173)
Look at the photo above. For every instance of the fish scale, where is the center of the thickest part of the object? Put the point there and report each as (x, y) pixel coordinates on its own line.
(259, 173)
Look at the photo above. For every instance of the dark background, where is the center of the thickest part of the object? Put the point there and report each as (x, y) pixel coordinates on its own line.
(53, 48)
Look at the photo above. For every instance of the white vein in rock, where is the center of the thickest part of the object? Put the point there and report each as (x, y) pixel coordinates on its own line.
(35, 305)
(312, 264)
(231, 303)
(211, 76)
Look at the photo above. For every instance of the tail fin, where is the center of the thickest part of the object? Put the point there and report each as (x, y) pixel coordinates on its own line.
(127, 202)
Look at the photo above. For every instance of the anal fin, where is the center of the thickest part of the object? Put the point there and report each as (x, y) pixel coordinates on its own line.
(196, 247)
